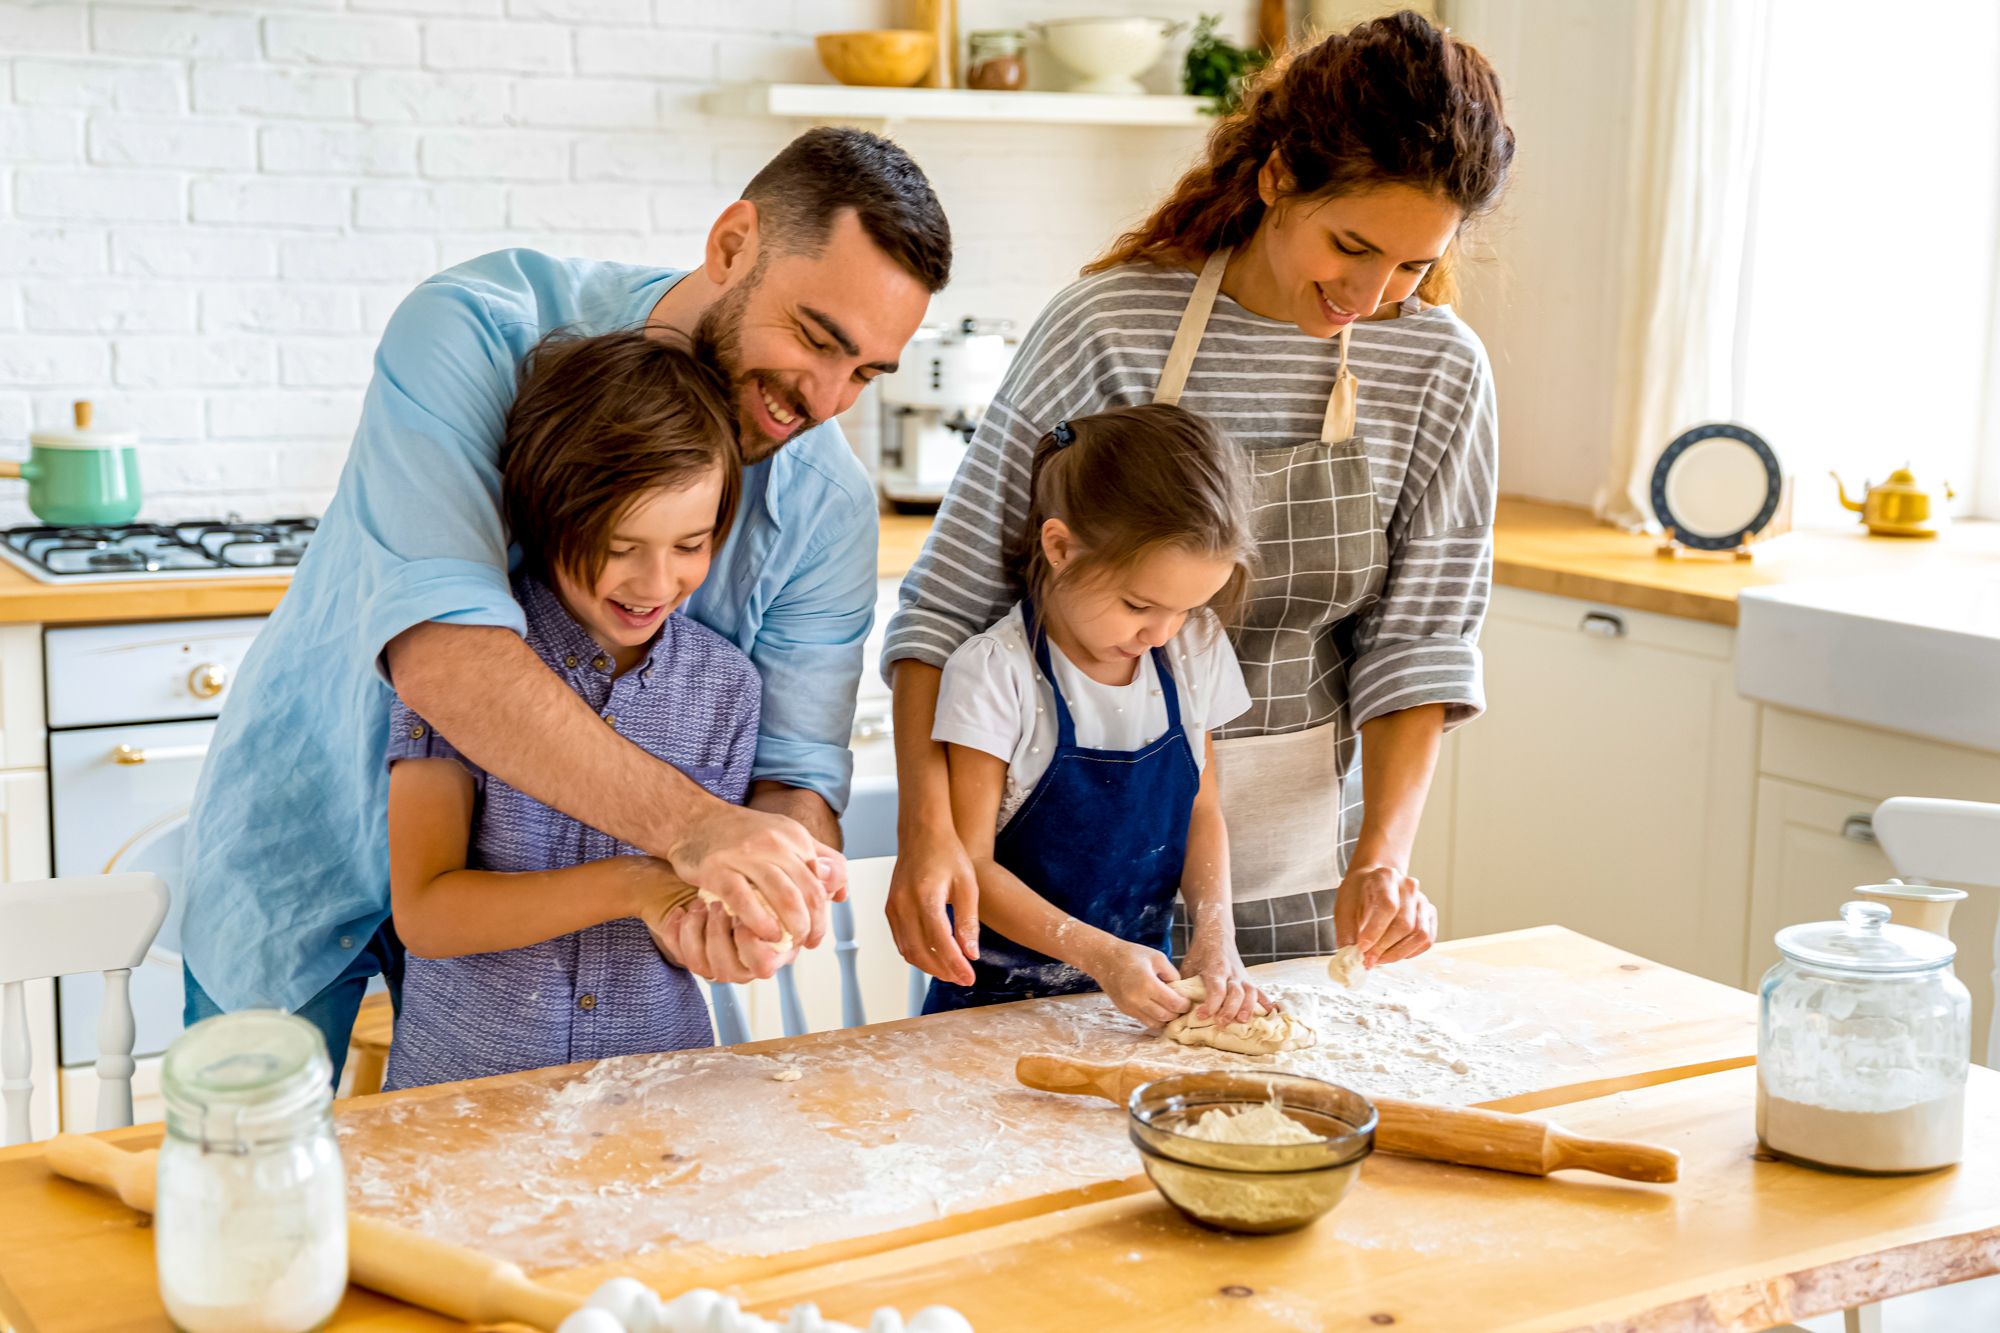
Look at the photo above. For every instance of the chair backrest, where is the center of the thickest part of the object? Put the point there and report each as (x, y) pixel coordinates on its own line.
(57, 927)
(1945, 842)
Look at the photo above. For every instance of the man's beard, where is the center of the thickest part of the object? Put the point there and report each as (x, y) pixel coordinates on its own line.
(720, 330)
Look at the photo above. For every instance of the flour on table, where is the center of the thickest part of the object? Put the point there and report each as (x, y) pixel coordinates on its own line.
(1347, 966)
(1269, 1032)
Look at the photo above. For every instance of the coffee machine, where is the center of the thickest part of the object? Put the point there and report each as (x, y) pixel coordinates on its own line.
(934, 402)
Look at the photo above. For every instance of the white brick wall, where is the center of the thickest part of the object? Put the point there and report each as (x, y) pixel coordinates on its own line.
(209, 209)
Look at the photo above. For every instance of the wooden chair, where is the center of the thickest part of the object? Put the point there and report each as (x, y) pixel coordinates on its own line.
(368, 1047)
(59, 927)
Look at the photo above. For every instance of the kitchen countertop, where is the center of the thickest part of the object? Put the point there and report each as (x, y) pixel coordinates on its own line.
(1539, 547)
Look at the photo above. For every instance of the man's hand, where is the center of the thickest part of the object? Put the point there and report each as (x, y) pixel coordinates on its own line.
(932, 870)
(1385, 913)
(765, 868)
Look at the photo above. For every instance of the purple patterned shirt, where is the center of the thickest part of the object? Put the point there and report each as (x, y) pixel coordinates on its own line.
(606, 990)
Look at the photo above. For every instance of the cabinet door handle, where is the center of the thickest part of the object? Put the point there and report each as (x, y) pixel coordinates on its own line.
(131, 754)
(1602, 624)
(1859, 828)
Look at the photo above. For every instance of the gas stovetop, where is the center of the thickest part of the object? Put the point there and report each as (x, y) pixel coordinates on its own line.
(196, 549)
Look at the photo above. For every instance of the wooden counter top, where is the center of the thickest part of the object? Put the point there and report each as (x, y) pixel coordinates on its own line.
(1551, 549)
(25, 600)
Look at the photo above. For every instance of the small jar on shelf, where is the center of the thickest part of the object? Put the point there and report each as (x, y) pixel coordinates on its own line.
(993, 61)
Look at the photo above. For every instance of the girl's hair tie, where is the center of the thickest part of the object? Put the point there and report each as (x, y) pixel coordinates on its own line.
(1064, 434)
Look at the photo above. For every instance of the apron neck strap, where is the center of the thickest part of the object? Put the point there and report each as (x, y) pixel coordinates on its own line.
(1187, 338)
(1338, 424)
(1038, 637)
(1168, 693)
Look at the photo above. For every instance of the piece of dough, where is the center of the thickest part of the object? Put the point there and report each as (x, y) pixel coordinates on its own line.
(1271, 1031)
(788, 1076)
(1347, 967)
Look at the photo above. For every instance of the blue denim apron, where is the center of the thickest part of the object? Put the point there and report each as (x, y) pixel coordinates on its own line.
(1103, 837)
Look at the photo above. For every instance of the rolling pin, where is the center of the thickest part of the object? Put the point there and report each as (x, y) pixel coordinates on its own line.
(382, 1257)
(1493, 1140)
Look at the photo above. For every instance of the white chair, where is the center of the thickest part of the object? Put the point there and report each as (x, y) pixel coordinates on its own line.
(1932, 841)
(59, 927)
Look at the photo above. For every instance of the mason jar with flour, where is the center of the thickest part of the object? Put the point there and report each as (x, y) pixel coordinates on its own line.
(1863, 1040)
(251, 1227)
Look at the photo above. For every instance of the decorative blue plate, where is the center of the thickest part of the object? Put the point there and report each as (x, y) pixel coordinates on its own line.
(1765, 509)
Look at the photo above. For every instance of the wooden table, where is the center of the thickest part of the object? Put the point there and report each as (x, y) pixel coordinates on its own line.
(674, 1169)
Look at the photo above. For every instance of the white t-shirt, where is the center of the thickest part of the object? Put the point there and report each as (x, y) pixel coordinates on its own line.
(993, 699)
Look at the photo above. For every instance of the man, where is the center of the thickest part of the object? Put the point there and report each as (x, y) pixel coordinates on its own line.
(810, 285)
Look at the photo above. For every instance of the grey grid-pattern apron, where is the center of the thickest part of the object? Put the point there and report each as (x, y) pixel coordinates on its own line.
(1284, 765)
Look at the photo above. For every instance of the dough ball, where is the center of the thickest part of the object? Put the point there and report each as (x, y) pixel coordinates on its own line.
(1347, 966)
(788, 1075)
(1269, 1032)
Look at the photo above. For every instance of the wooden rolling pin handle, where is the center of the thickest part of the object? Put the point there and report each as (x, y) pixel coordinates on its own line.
(1496, 1141)
(411, 1267)
(131, 1176)
(1612, 1157)
(1114, 1083)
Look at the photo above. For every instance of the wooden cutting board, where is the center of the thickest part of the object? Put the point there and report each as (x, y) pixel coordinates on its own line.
(699, 1167)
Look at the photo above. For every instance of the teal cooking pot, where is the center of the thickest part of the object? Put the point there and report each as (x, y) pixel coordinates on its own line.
(80, 476)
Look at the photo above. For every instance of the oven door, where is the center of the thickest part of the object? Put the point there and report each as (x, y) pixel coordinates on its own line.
(119, 800)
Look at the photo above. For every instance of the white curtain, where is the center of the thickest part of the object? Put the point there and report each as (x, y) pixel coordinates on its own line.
(1696, 133)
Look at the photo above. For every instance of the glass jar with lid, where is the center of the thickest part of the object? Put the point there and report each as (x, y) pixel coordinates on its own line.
(993, 61)
(250, 1228)
(1863, 1040)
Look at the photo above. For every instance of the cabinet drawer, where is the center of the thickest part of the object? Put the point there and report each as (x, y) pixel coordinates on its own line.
(1610, 626)
(1820, 752)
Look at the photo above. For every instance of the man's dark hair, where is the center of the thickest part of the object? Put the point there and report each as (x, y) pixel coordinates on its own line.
(824, 171)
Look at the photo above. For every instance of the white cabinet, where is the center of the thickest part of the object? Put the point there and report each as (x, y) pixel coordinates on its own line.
(1822, 780)
(1609, 786)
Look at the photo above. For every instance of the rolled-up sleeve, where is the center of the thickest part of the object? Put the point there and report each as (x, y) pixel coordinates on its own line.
(1419, 644)
(423, 478)
(808, 650)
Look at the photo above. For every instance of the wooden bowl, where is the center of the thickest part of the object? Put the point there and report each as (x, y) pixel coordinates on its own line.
(892, 58)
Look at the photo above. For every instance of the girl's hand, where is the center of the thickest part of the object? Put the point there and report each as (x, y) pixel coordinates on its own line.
(1385, 913)
(1232, 998)
(1139, 981)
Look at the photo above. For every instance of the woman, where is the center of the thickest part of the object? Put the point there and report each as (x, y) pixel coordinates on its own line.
(1292, 287)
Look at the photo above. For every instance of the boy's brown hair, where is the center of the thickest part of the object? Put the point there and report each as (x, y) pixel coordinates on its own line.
(1128, 481)
(596, 423)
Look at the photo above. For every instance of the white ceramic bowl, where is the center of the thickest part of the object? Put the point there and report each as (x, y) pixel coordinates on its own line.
(1107, 55)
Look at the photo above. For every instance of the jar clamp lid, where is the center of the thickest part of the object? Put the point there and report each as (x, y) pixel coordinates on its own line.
(243, 1078)
(1864, 941)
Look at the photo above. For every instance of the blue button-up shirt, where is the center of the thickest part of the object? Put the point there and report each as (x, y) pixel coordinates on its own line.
(605, 990)
(288, 862)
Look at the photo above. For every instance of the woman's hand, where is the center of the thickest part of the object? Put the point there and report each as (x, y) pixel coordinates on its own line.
(1382, 910)
(933, 870)
(1232, 998)
(1138, 980)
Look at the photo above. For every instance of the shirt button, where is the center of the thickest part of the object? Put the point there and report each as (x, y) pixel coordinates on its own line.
(570, 661)
(417, 732)
(600, 661)
(347, 941)
(586, 1002)
(610, 719)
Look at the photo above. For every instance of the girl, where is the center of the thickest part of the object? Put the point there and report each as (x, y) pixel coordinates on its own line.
(1082, 779)
(534, 940)
(1294, 288)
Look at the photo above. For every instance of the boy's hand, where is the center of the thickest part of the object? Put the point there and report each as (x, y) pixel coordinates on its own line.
(1139, 981)
(704, 939)
(1231, 998)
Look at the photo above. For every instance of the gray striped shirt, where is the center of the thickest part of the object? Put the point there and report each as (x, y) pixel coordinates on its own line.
(1424, 414)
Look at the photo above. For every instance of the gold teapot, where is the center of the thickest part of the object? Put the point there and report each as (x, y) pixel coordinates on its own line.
(1898, 507)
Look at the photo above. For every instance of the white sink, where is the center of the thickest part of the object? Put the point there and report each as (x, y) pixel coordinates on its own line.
(1918, 655)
